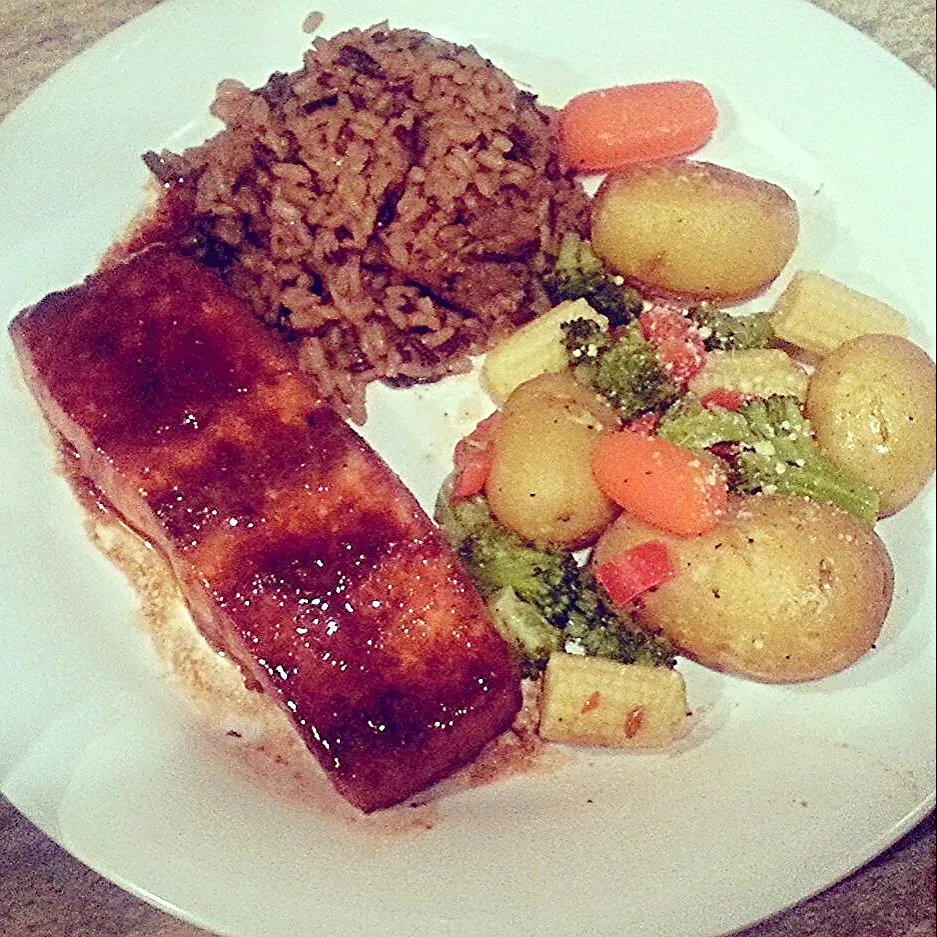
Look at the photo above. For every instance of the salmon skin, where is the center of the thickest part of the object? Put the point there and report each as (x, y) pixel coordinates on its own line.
(299, 552)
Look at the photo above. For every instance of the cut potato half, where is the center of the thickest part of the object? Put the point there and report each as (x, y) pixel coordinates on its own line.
(784, 590)
(694, 231)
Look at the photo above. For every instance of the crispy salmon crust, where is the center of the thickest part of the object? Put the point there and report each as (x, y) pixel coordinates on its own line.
(300, 553)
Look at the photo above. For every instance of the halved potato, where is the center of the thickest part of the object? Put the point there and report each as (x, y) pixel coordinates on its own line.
(784, 590)
(694, 231)
(541, 483)
(871, 403)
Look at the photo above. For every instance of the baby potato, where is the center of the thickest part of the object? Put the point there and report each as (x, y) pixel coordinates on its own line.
(694, 231)
(784, 590)
(541, 483)
(871, 403)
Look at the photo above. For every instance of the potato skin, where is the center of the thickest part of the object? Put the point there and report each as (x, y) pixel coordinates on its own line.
(871, 403)
(693, 231)
(541, 483)
(784, 590)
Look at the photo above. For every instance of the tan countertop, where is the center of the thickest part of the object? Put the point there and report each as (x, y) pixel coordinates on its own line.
(46, 893)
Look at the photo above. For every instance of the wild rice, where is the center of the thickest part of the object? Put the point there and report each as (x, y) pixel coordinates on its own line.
(390, 206)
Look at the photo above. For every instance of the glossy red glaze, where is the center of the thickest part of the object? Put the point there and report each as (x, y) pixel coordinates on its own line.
(300, 553)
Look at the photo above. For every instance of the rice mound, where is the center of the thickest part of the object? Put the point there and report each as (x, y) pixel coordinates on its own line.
(391, 206)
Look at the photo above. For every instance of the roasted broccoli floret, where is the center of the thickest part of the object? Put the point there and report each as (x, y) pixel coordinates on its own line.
(774, 451)
(781, 455)
(579, 274)
(688, 423)
(540, 597)
(721, 331)
(594, 627)
(624, 369)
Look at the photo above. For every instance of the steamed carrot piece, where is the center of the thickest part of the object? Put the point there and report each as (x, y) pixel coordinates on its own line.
(473, 458)
(663, 484)
(613, 127)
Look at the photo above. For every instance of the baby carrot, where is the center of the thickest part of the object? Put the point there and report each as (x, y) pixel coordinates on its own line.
(606, 129)
(663, 484)
(473, 457)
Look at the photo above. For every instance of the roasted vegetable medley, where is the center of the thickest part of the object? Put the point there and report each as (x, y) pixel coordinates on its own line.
(666, 475)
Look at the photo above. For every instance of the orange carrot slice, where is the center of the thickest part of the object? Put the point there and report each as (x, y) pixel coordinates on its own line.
(607, 129)
(473, 458)
(663, 484)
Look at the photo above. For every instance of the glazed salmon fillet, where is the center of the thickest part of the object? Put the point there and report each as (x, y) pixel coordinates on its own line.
(299, 552)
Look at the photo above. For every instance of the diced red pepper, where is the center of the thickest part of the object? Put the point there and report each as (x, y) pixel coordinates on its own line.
(723, 397)
(592, 702)
(472, 459)
(635, 570)
(645, 424)
(633, 722)
(679, 344)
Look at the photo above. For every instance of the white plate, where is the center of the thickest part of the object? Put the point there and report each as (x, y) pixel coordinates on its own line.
(782, 790)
